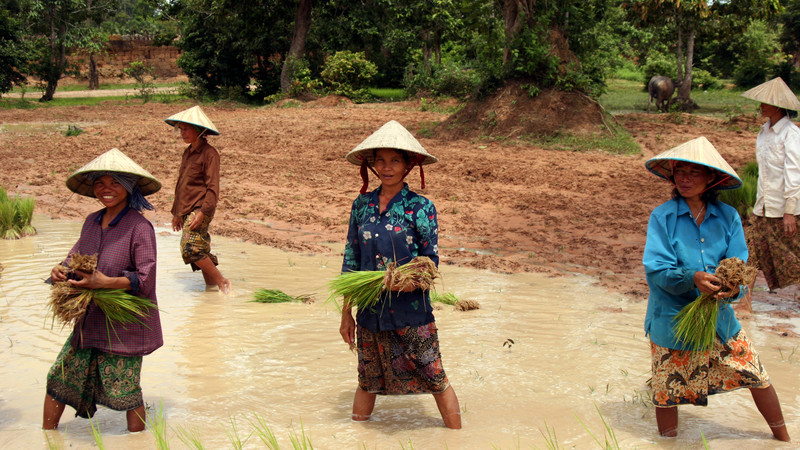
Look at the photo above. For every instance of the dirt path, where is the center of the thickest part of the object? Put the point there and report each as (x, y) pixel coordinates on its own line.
(502, 206)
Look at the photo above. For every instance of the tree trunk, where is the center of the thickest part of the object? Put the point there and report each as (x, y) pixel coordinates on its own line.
(94, 78)
(51, 78)
(512, 25)
(302, 23)
(685, 88)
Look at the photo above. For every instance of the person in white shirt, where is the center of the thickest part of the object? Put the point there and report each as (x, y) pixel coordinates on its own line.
(774, 240)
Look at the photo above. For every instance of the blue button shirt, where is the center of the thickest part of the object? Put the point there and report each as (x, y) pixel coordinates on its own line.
(676, 248)
(407, 228)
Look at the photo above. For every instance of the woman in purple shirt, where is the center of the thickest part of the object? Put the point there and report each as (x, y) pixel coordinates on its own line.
(96, 366)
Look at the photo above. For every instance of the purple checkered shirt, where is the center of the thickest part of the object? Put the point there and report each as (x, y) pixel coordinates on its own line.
(127, 247)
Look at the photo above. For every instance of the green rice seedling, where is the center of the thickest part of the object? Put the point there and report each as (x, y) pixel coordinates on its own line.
(550, 439)
(609, 437)
(190, 437)
(696, 323)
(157, 424)
(448, 298)
(53, 443)
(301, 441)
(3, 195)
(364, 288)
(23, 215)
(98, 437)
(273, 296)
(7, 228)
(263, 431)
(233, 435)
(120, 306)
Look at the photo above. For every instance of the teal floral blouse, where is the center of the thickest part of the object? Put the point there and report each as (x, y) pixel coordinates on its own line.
(407, 228)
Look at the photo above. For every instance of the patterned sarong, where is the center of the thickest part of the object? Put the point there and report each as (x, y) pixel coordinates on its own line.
(685, 377)
(196, 244)
(88, 377)
(405, 361)
(778, 255)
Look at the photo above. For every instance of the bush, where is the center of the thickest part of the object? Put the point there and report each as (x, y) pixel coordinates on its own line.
(452, 77)
(703, 79)
(759, 55)
(302, 83)
(658, 63)
(145, 76)
(348, 73)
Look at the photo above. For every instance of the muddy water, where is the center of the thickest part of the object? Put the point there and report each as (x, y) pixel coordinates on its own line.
(542, 353)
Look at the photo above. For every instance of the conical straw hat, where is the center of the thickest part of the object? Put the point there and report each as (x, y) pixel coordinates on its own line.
(698, 151)
(193, 116)
(111, 161)
(390, 135)
(774, 92)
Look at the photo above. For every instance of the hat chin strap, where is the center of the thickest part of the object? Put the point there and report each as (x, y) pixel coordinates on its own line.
(365, 175)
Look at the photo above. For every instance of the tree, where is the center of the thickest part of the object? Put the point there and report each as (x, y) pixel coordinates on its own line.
(14, 52)
(302, 23)
(686, 17)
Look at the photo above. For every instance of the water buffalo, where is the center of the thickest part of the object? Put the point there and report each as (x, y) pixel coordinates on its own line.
(661, 89)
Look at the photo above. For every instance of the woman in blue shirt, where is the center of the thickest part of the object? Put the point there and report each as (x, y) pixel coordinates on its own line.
(398, 345)
(687, 237)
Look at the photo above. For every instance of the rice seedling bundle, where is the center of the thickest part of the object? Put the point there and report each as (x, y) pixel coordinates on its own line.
(467, 305)
(364, 288)
(278, 296)
(448, 298)
(69, 303)
(7, 228)
(696, 323)
(23, 216)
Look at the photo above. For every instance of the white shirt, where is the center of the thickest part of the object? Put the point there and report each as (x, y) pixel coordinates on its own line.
(778, 156)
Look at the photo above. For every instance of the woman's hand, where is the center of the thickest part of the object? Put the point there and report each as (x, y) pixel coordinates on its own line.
(706, 282)
(789, 224)
(197, 220)
(57, 275)
(98, 280)
(177, 223)
(348, 327)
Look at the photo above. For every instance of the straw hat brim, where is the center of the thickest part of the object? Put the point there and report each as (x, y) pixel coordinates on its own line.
(193, 116)
(390, 135)
(697, 151)
(111, 161)
(774, 92)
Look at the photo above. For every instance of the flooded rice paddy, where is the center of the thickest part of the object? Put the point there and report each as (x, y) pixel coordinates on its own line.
(543, 356)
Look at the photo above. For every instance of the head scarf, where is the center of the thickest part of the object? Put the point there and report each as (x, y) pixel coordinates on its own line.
(129, 181)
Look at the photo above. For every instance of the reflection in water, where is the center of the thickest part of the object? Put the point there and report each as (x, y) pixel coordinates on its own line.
(576, 350)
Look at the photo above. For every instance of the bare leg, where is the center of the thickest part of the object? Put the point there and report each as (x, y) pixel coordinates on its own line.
(53, 409)
(667, 420)
(136, 419)
(212, 275)
(447, 402)
(768, 405)
(363, 404)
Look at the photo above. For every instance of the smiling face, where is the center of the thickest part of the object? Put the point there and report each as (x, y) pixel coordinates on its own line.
(110, 193)
(692, 179)
(391, 165)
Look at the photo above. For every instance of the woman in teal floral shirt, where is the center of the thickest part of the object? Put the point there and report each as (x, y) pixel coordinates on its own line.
(398, 345)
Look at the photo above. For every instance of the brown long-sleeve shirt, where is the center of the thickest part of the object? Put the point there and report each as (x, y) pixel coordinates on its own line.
(198, 181)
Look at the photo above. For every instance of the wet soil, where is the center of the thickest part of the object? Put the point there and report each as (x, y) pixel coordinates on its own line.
(503, 204)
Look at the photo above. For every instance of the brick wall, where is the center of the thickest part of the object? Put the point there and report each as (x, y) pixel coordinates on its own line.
(123, 50)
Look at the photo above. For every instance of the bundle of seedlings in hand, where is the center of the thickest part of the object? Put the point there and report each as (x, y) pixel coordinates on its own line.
(364, 288)
(696, 323)
(69, 303)
(278, 296)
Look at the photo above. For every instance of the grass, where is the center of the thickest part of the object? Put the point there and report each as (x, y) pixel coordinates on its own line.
(624, 95)
(622, 143)
(388, 94)
(34, 91)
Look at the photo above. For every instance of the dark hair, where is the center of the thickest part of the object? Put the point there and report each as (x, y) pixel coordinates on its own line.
(710, 195)
(406, 156)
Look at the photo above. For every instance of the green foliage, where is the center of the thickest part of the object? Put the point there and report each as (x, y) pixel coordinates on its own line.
(15, 216)
(145, 76)
(531, 58)
(348, 73)
(744, 198)
(658, 63)
(73, 130)
(453, 77)
(702, 79)
(302, 82)
(758, 54)
(14, 49)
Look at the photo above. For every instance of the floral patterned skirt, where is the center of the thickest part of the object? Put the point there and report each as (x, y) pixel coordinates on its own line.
(405, 361)
(196, 244)
(778, 255)
(87, 377)
(683, 377)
